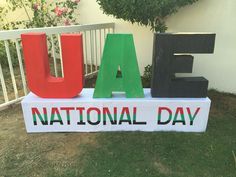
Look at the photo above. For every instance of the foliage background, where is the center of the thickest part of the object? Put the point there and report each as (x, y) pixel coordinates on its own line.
(151, 13)
(40, 13)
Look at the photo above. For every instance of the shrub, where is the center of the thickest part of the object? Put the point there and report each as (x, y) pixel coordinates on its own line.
(147, 76)
(40, 13)
(3, 55)
(45, 14)
(144, 12)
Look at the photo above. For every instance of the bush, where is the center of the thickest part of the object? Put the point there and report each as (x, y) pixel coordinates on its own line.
(45, 14)
(147, 76)
(144, 12)
(3, 55)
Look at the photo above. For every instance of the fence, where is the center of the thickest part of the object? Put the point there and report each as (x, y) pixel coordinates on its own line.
(12, 75)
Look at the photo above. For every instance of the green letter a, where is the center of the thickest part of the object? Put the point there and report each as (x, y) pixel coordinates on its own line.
(119, 70)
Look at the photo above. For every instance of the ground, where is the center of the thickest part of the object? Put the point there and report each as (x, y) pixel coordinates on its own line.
(210, 154)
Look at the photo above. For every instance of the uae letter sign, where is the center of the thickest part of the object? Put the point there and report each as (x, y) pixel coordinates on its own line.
(118, 102)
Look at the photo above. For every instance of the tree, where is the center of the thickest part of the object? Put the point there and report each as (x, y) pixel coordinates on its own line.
(151, 13)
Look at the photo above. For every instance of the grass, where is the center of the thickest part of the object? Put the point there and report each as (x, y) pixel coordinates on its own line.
(210, 154)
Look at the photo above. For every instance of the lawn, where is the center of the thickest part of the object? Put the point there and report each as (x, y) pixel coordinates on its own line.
(210, 154)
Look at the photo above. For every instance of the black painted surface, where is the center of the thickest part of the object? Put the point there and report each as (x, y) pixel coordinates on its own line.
(182, 64)
(166, 64)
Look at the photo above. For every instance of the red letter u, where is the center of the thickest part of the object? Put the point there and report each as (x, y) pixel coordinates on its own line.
(40, 81)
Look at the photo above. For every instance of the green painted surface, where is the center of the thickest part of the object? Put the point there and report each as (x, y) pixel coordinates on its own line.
(43, 119)
(119, 70)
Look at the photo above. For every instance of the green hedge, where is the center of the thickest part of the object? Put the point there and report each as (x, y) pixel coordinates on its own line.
(144, 12)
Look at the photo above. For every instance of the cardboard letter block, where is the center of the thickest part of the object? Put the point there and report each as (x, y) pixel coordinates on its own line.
(168, 60)
(119, 70)
(40, 81)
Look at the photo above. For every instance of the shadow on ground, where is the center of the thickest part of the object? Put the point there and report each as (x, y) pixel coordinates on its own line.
(122, 154)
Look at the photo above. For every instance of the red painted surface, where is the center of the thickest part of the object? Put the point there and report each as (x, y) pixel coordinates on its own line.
(40, 81)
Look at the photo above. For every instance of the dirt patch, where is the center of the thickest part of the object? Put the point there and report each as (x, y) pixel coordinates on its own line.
(27, 154)
(163, 169)
(222, 103)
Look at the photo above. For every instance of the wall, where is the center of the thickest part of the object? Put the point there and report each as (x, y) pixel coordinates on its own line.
(18, 15)
(216, 16)
(205, 16)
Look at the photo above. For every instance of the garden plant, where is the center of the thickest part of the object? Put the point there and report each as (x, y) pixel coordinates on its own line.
(39, 13)
(151, 13)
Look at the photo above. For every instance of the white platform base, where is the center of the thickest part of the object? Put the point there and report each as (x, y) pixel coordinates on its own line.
(85, 114)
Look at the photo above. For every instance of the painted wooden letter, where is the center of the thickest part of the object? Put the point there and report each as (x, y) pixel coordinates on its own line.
(168, 60)
(119, 70)
(40, 81)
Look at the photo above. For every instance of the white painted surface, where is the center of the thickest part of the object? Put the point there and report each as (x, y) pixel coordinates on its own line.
(216, 16)
(146, 111)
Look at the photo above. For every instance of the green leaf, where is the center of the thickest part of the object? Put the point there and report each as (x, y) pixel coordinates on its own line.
(144, 12)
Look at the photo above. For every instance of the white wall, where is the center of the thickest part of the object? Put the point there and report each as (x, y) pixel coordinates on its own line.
(17, 15)
(217, 16)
